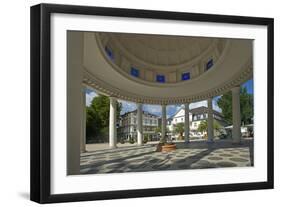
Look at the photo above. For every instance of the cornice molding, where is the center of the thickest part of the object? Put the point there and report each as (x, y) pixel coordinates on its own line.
(105, 88)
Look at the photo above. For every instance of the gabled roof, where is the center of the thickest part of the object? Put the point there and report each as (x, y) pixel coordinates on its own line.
(202, 110)
(135, 111)
(196, 111)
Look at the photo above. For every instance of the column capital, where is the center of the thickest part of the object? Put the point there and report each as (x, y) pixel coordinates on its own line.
(236, 89)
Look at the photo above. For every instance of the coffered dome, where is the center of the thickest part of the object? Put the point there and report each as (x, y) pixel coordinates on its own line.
(149, 57)
(163, 69)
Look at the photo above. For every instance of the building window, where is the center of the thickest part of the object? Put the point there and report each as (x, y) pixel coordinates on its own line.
(185, 76)
(109, 53)
(134, 72)
(160, 78)
(209, 64)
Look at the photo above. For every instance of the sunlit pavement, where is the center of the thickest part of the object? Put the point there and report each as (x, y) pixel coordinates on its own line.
(194, 155)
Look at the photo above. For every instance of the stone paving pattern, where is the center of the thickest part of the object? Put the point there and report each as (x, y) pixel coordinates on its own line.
(194, 155)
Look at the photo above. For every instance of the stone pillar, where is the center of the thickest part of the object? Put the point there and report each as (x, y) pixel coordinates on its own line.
(112, 123)
(84, 117)
(210, 120)
(139, 124)
(75, 41)
(163, 131)
(236, 116)
(186, 122)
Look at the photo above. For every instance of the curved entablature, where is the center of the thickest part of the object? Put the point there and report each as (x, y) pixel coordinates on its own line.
(105, 70)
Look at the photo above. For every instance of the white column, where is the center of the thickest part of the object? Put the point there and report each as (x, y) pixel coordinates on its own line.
(236, 116)
(163, 131)
(84, 116)
(210, 120)
(74, 100)
(186, 122)
(139, 124)
(112, 123)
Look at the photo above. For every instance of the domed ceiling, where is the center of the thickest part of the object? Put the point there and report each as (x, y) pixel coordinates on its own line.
(163, 69)
(161, 58)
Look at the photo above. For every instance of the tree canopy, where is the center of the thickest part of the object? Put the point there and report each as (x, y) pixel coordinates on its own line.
(203, 126)
(179, 128)
(97, 123)
(246, 106)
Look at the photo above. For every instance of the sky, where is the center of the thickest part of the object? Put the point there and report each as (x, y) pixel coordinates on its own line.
(171, 109)
(249, 85)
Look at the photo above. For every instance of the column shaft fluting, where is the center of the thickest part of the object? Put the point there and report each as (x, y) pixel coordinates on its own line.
(112, 123)
(186, 122)
(139, 124)
(210, 121)
(236, 116)
(163, 130)
(83, 122)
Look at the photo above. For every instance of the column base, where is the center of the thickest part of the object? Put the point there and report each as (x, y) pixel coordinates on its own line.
(236, 142)
(210, 141)
(113, 147)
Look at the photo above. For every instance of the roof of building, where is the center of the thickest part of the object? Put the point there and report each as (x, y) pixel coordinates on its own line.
(203, 109)
(198, 110)
(135, 111)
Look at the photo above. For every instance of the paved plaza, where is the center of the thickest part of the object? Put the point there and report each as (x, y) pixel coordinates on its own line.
(194, 155)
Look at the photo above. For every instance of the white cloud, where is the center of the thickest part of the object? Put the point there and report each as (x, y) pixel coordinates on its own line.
(204, 103)
(172, 109)
(198, 104)
(90, 95)
(127, 106)
(216, 106)
(153, 109)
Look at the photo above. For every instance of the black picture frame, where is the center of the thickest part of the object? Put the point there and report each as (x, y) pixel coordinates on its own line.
(41, 95)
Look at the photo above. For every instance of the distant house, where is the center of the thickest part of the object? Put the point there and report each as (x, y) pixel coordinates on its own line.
(196, 115)
(128, 125)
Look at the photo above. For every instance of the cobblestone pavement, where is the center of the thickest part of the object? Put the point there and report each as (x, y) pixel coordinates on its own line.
(194, 155)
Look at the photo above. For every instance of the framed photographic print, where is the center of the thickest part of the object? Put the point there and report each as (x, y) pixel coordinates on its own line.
(133, 103)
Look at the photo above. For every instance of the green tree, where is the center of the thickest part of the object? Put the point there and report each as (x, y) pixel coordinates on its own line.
(157, 130)
(93, 123)
(203, 126)
(216, 125)
(179, 129)
(246, 106)
(98, 118)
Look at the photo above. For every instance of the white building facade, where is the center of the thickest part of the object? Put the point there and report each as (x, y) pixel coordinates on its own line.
(196, 115)
(128, 125)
